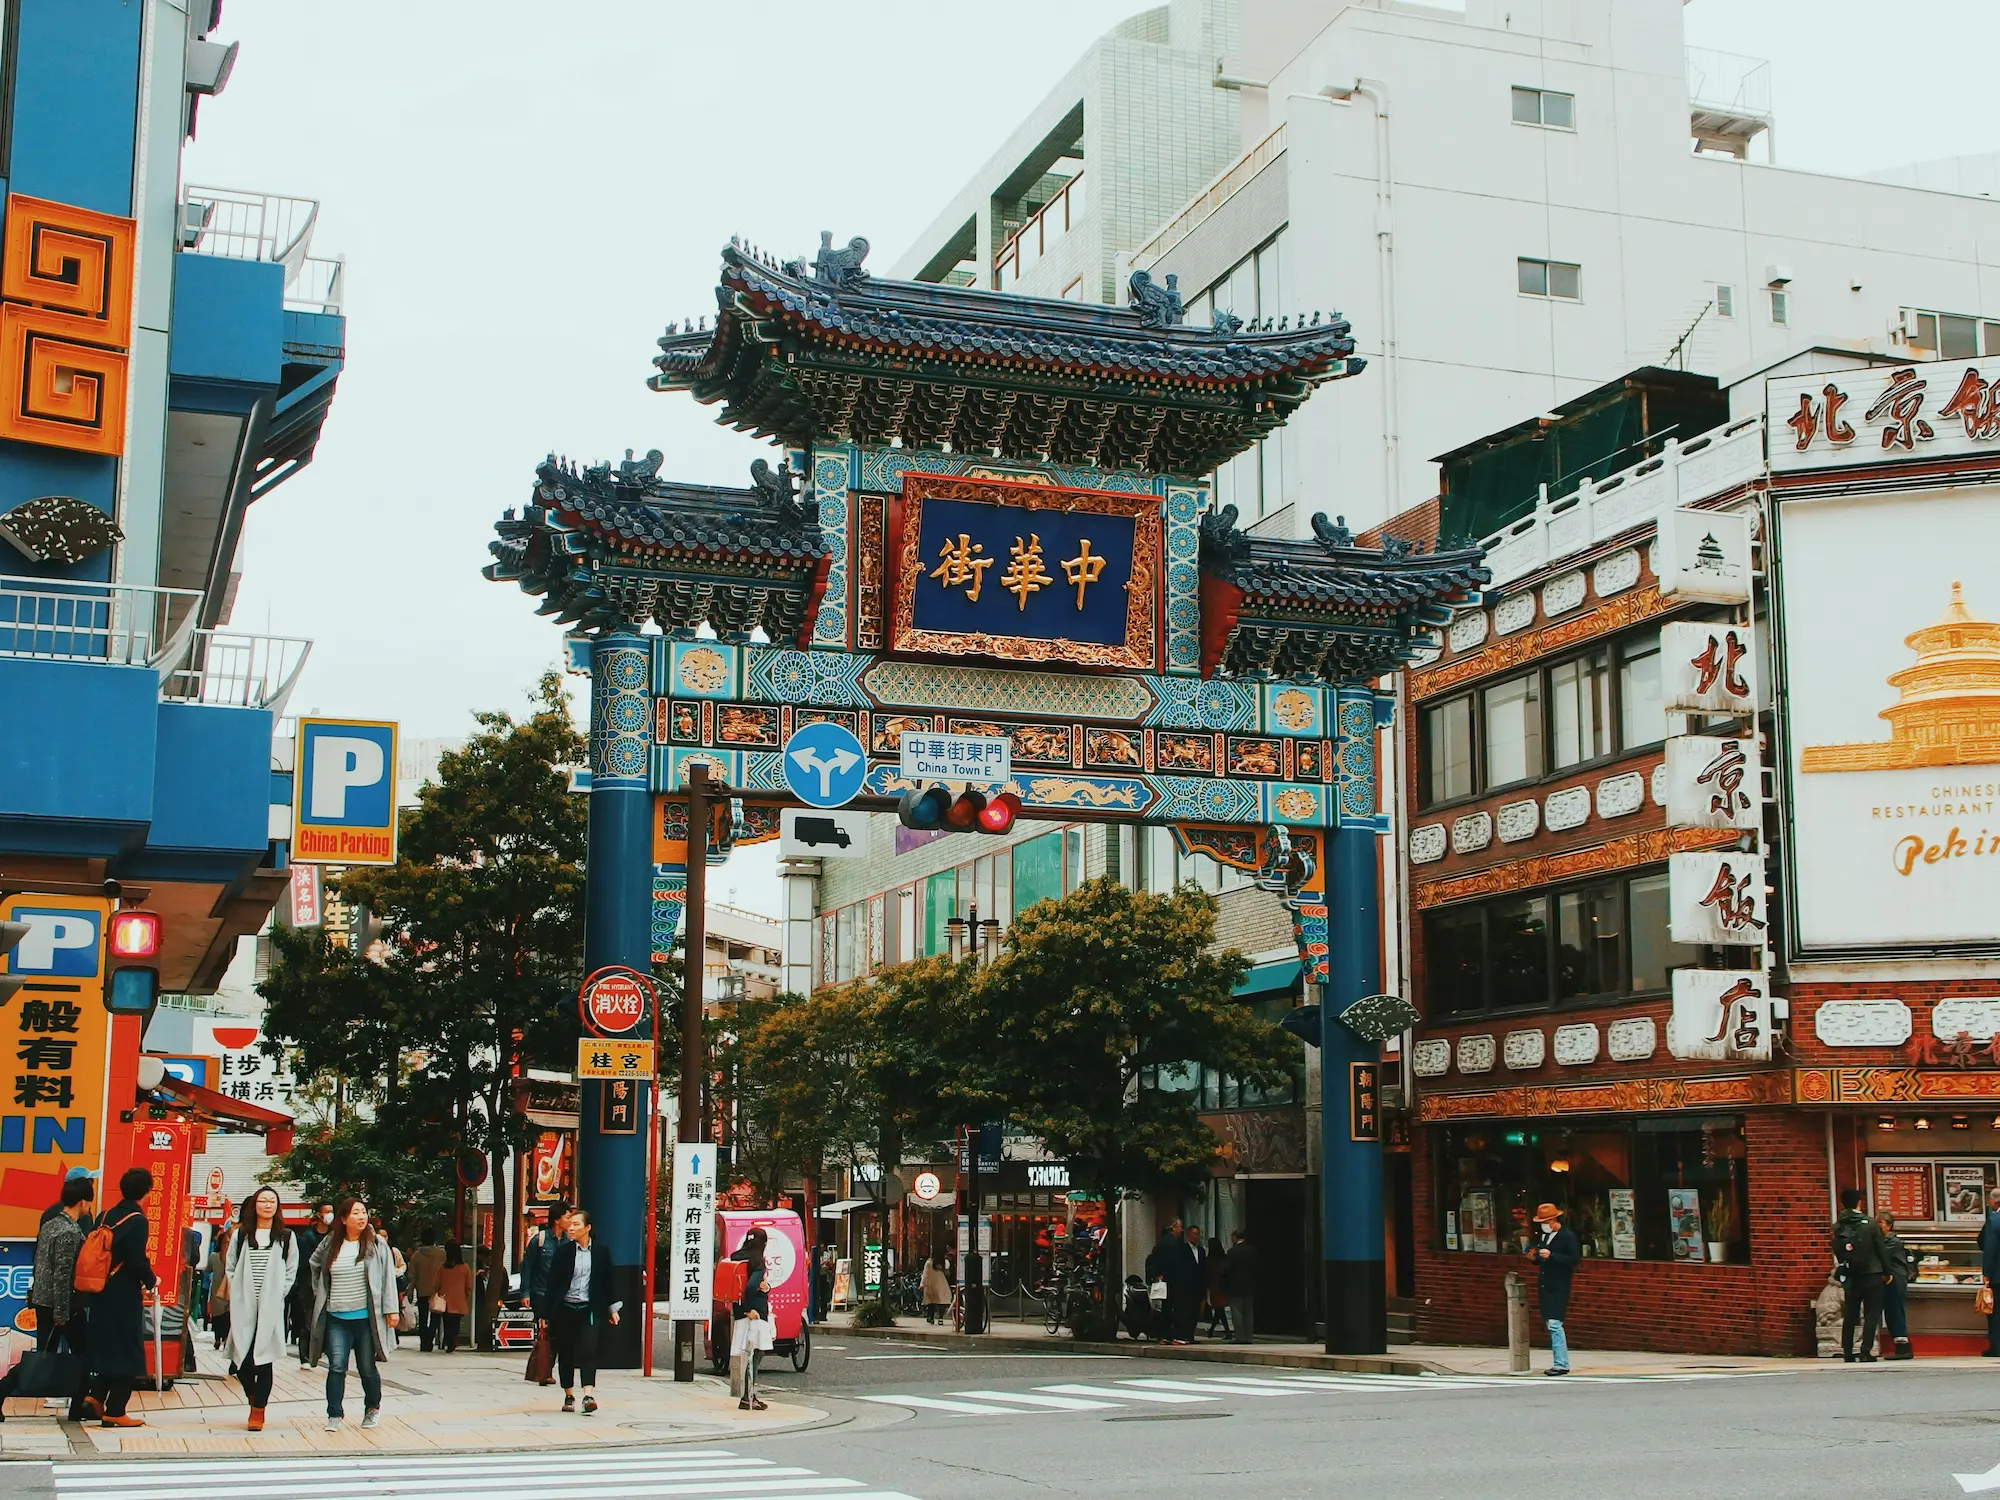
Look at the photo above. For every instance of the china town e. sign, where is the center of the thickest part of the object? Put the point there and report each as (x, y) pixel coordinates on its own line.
(1931, 409)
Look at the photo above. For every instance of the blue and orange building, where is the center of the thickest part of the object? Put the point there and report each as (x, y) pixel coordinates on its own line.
(168, 355)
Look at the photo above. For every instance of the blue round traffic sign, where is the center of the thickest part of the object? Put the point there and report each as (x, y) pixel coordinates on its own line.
(825, 765)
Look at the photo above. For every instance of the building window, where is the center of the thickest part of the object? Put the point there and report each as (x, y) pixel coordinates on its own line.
(1658, 1188)
(1543, 107)
(1781, 307)
(1521, 728)
(1215, 1090)
(1038, 869)
(1072, 858)
(1549, 278)
(1254, 480)
(1725, 301)
(940, 895)
(1604, 938)
(847, 923)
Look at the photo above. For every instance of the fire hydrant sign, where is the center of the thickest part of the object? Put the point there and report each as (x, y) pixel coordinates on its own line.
(601, 1059)
(616, 1002)
(692, 1233)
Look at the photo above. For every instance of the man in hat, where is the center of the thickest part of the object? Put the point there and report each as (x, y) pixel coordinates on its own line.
(1555, 1253)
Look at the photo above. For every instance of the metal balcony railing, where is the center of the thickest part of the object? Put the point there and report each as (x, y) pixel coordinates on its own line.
(271, 227)
(1729, 82)
(116, 624)
(232, 670)
(1221, 188)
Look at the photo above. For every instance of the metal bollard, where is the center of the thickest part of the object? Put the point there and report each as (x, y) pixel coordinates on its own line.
(1517, 1324)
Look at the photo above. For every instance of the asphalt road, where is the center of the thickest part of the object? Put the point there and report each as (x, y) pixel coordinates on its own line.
(939, 1426)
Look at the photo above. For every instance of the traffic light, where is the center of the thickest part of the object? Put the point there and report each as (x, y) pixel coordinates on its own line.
(924, 808)
(11, 933)
(963, 814)
(134, 988)
(999, 813)
(135, 934)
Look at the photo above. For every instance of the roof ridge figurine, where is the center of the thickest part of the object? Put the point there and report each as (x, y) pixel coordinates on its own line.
(1157, 306)
(840, 268)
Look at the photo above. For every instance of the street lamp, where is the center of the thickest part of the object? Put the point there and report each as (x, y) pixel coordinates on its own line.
(968, 935)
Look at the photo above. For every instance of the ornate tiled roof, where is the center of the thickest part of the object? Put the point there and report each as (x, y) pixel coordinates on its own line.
(1323, 607)
(608, 545)
(833, 354)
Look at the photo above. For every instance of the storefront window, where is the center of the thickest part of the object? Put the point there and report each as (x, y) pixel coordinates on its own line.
(1590, 941)
(940, 893)
(1652, 1188)
(1518, 945)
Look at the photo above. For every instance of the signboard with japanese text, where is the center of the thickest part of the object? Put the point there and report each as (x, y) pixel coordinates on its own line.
(1714, 782)
(956, 757)
(1708, 667)
(1704, 554)
(692, 1249)
(1892, 714)
(618, 1107)
(1027, 572)
(166, 1149)
(616, 1001)
(1720, 1014)
(1364, 1114)
(242, 1069)
(57, 1035)
(1717, 898)
(1902, 1189)
(344, 793)
(306, 907)
(17, 1275)
(1931, 409)
(552, 1164)
(600, 1059)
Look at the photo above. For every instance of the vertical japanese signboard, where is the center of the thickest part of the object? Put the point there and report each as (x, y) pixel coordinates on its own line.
(164, 1148)
(58, 1052)
(1364, 1114)
(692, 1244)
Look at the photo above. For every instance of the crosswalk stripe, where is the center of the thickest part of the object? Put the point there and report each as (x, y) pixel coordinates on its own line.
(602, 1480)
(1055, 1403)
(309, 1479)
(138, 1469)
(1370, 1383)
(1120, 1393)
(736, 1485)
(1206, 1388)
(933, 1403)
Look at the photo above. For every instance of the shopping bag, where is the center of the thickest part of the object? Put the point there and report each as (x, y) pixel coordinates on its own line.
(541, 1360)
(1157, 1294)
(737, 1363)
(1983, 1302)
(48, 1372)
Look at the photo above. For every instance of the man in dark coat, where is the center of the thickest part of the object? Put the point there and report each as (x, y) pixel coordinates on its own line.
(307, 1239)
(1555, 1253)
(60, 1317)
(1864, 1270)
(1240, 1279)
(1989, 1262)
(1172, 1262)
(118, 1313)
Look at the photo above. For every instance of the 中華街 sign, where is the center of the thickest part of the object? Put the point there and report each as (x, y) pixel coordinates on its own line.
(955, 757)
(1892, 706)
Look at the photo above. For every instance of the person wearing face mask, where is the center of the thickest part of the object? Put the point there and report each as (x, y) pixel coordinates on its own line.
(307, 1241)
(1555, 1254)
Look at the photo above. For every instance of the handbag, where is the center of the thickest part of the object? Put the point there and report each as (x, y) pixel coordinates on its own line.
(1982, 1303)
(48, 1372)
(541, 1360)
(437, 1302)
(1157, 1293)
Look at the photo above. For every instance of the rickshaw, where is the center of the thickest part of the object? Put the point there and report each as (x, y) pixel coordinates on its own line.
(787, 1268)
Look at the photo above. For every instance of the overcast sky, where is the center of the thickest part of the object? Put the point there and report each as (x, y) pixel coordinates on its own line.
(526, 193)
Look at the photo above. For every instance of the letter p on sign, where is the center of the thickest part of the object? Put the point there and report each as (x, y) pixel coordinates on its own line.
(344, 797)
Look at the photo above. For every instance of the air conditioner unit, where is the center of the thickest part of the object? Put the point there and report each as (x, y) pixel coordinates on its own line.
(194, 222)
(1903, 327)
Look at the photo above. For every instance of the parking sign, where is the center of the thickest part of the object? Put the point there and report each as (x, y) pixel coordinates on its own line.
(344, 793)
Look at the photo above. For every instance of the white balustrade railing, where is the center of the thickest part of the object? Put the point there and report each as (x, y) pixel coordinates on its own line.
(118, 624)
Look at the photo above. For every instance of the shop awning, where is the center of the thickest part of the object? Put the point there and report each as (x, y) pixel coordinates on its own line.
(942, 1200)
(213, 1107)
(846, 1206)
(1280, 978)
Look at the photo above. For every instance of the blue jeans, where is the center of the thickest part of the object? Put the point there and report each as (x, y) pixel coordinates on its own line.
(1558, 1345)
(356, 1336)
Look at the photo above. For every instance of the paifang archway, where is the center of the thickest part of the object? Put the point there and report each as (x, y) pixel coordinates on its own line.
(986, 521)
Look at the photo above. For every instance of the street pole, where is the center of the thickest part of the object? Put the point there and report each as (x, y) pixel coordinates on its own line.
(694, 953)
(975, 1264)
(652, 1200)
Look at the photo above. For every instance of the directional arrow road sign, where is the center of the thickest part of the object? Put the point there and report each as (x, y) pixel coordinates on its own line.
(825, 765)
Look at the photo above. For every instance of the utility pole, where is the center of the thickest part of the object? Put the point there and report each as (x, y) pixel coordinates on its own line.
(694, 953)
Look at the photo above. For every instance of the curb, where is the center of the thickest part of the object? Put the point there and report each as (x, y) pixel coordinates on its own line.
(1233, 1354)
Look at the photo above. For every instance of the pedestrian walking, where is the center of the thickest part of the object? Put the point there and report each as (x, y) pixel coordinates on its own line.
(1989, 1263)
(258, 1274)
(61, 1321)
(453, 1298)
(1171, 1263)
(1555, 1253)
(535, 1263)
(823, 1277)
(217, 1306)
(118, 1313)
(307, 1241)
(750, 1328)
(936, 1289)
(1863, 1272)
(1240, 1281)
(1198, 1249)
(354, 1310)
(581, 1278)
(426, 1265)
(1896, 1286)
(1215, 1289)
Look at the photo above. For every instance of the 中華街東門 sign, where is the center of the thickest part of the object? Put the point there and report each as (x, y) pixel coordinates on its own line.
(1027, 572)
(1892, 708)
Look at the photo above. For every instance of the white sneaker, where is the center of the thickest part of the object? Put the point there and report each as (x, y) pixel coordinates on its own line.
(333, 1424)
(371, 1419)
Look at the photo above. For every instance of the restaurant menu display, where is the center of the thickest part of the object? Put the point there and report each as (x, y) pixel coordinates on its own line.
(1476, 1225)
(1624, 1225)
(1964, 1194)
(1902, 1189)
(1684, 1219)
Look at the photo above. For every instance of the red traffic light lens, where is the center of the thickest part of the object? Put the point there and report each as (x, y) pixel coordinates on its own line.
(963, 815)
(135, 934)
(999, 813)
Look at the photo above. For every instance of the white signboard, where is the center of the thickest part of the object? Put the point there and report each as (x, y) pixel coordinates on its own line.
(1921, 410)
(243, 1070)
(1716, 898)
(1714, 783)
(956, 757)
(1720, 1014)
(1893, 707)
(1708, 667)
(1704, 554)
(693, 1237)
(821, 833)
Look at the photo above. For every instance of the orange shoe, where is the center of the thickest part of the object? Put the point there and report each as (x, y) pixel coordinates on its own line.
(122, 1422)
(256, 1419)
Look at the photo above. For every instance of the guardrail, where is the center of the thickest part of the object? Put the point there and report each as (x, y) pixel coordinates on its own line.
(1221, 188)
(232, 670)
(239, 225)
(118, 624)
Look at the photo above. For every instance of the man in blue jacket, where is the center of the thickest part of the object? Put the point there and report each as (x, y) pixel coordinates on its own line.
(1989, 1262)
(1555, 1253)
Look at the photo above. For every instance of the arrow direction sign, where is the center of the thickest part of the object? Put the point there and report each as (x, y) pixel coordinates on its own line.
(1976, 1484)
(825, 765)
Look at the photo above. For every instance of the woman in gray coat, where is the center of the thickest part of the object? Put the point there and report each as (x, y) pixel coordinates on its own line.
(261, 1267)
(354, 1309)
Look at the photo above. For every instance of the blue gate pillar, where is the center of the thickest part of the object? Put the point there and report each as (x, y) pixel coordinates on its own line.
(617, 929)
(1350, 1184)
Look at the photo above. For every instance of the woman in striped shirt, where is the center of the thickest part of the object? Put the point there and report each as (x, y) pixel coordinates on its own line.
(261, 1265)
(354, 1309)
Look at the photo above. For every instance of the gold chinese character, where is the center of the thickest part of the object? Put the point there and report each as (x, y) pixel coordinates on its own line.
(1025, 574)
(1083, 569)
(961, 565)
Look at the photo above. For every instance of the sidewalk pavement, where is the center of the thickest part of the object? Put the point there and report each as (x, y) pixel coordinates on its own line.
(432, 1403)
(1401, 1359)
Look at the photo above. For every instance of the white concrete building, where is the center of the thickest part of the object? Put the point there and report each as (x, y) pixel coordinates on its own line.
(1515, 202)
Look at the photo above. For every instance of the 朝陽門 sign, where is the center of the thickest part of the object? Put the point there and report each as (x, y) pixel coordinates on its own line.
(600, 1059)
(1364, 1110)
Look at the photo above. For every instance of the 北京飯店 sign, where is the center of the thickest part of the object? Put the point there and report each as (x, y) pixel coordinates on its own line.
(1026, 572)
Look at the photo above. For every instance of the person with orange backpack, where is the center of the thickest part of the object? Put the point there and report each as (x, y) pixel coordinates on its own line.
(113, 1268)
